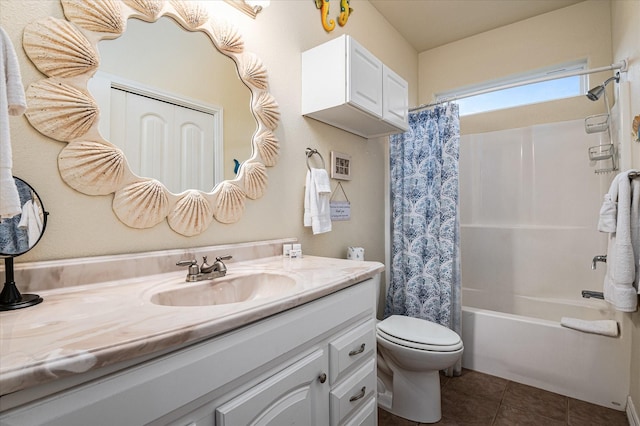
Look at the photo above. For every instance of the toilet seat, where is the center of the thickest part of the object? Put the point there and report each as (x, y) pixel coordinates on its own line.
(417, 333)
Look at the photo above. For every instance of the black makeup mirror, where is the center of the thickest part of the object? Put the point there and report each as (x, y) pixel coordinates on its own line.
(18, 235)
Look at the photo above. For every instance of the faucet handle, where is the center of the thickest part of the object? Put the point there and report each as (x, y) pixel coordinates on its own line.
(192, 264)
(219, 264)
(598, 258)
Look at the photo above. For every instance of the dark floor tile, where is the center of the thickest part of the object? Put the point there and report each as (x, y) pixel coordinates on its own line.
(387, 419)
(444, 380)
(473, 383)
(510, 416)
(585, 414)
(536, 401)
(460, 408)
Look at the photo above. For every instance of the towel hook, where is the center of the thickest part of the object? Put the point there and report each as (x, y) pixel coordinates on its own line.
(310, 152)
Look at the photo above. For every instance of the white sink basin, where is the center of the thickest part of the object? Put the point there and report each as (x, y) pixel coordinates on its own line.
(230, 289)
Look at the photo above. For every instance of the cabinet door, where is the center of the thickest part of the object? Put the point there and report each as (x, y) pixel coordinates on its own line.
(293, 396)
(364, 78)
(396, 99)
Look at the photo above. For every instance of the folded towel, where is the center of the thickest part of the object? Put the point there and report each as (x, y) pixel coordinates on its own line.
(609, 209)
(317, 212)
(622, 262)
(321, 179)
(635, 228)
(12, 102)
(603, 327)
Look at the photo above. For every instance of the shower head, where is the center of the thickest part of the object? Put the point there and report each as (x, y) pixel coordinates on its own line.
(595, 93)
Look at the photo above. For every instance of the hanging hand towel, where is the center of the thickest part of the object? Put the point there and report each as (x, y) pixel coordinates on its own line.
(12, 102)
(317, 213)
(603, 327)
(621, 261)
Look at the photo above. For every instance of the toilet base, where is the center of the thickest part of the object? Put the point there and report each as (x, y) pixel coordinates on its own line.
(415, 396)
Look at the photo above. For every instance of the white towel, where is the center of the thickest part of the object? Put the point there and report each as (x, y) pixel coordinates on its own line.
(609, 209)
(603, 327)
(31, 221)
(317, 213)
(12, 102)
(635, 228)
(622, 262)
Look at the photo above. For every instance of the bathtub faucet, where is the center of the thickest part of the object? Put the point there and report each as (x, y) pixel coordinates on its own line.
(598, 258)
(588, 294)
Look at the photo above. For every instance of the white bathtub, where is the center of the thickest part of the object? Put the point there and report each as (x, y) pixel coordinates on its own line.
(528, 345)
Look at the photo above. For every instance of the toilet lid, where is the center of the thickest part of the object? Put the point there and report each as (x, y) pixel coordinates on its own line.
(419, 333)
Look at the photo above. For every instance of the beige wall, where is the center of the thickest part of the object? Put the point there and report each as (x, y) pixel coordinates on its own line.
(625, 35)
(81, 225)
(572, 33)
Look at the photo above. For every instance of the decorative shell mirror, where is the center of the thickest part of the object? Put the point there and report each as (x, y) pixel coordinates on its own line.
(61, 107)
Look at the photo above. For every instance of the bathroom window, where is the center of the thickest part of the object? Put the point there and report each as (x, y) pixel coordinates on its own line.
(521, 95)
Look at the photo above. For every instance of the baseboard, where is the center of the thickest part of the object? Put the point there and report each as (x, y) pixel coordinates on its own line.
(632, 414)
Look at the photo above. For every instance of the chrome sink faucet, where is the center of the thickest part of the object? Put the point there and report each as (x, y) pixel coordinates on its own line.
(205, 271)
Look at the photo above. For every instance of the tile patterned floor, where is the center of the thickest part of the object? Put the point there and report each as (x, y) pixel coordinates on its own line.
(480, 399)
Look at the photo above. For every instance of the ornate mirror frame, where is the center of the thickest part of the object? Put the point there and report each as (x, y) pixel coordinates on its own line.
(61, 107)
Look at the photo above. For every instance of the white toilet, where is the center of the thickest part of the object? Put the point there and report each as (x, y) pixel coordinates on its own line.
(411, 352)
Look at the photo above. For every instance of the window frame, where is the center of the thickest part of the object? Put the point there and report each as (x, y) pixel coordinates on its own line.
(514, 81)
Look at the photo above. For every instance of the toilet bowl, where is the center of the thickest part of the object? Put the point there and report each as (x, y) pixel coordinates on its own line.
(411, 352)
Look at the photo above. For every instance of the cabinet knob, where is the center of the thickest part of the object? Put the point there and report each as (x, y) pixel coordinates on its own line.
(359, 395)
(357, 351)
(322, 377)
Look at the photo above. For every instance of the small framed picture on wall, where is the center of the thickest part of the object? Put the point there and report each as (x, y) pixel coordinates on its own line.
(340, 166)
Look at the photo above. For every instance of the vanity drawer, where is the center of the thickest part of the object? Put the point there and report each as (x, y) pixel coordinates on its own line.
(352, 347)
(353, 393)
(366, 416)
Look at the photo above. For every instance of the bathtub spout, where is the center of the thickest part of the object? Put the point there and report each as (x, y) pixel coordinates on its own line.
(587, 294)
(598, 258)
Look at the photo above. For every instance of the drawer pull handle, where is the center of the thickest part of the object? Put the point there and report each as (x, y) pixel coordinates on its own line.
(360, 394)
(322, 377)
(357, 351)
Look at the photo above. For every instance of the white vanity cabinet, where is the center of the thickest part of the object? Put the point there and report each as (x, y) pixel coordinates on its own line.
(345, 86)
(314, 364)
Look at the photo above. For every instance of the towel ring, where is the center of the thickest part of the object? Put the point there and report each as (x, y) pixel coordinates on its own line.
(310, 152)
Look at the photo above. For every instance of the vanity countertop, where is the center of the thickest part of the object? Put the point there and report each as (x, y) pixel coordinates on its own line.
(83, 328)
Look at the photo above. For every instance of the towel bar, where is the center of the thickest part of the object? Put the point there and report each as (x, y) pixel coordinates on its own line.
(310, 152)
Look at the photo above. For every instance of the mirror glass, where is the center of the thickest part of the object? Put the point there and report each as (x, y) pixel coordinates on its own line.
(195, 90)
(61, 107)
(20, 233)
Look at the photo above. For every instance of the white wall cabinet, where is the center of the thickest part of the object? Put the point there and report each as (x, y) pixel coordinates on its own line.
(310, 365)
(344, 85)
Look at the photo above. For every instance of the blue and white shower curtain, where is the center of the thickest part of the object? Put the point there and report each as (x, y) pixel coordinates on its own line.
(425, 253)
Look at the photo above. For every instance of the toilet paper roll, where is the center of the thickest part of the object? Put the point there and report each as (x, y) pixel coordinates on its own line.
(355, 253)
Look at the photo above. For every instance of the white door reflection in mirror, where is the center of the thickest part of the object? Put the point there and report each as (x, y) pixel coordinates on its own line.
(166, 141)
(165, 62)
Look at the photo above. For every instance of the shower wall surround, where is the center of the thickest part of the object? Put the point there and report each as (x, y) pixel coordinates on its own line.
(529, 208)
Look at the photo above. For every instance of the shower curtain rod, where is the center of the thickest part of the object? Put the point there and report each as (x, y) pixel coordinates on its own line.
(622, 66)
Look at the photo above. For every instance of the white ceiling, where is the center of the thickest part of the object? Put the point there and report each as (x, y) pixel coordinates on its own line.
(426, 24)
